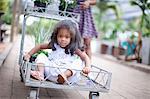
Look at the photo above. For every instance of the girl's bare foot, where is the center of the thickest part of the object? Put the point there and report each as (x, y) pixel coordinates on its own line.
(37, 75)
(63, 77)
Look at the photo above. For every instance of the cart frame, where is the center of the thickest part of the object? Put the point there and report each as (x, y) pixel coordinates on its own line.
(26, 67)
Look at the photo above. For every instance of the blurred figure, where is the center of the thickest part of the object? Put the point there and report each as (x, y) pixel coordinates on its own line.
(129, 41)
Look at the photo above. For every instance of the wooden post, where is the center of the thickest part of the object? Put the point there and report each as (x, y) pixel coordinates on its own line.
(15, 20)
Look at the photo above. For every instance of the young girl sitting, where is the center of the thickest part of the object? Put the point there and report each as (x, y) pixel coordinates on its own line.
(67, 51)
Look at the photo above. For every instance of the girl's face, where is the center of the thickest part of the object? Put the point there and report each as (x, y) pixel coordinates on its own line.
(63, 37)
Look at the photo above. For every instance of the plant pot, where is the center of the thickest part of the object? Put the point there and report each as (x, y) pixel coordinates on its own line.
(41, 6)
(104, 48)
(1, 13)
(146, 50)
(63, 9)
(115, 51)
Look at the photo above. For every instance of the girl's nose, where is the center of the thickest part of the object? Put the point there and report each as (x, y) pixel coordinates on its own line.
(63, 38)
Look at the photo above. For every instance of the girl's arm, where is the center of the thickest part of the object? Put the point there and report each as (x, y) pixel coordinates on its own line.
(36, 49)
(91, 2)
(87, 3)
(86, 59)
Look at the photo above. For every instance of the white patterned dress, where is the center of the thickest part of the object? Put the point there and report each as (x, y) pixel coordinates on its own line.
(59, 59)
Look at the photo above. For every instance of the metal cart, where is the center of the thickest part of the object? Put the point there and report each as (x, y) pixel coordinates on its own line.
(100, 81)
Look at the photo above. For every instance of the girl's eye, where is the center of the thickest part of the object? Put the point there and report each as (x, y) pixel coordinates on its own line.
(67, 37)
(59, 36)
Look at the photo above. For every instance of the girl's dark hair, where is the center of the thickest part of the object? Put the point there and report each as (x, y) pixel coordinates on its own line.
(76, 40)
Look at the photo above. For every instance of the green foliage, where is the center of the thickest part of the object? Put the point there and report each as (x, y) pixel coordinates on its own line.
(105, 26)
(146, 27)
(145, 18)
(39, 52)
(41, 30)
(67, 4)
(3, 5)
(134, 24)
(7, 17)
(103, 6)
(111, 27)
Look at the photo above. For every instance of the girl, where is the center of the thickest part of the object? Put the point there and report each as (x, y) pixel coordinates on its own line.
(67, 51)
(86, 24)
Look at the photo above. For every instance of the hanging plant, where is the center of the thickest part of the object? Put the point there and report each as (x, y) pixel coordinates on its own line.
(42, 4)
(66, 5)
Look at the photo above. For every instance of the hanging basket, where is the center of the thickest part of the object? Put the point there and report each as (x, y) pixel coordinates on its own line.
(41, 5)
(67, 5)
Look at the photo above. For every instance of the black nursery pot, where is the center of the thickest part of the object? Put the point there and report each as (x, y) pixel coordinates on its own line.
(68, 9)
(41, 5)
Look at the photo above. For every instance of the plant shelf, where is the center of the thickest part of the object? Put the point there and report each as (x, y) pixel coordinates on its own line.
(51, 13)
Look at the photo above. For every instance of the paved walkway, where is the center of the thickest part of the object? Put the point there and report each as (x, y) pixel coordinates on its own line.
(132, 64)
(127, 83)
(5, 48)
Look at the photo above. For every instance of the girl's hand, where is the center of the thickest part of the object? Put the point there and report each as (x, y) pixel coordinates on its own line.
(85, 4)
(86, 69)
(27, 57)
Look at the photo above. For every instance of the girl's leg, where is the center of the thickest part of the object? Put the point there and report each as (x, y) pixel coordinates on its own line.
(87, 43)
(41, 60)
(41, 69)
(39, 74)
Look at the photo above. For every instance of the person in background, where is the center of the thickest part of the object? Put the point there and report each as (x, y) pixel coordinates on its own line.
(86, 23)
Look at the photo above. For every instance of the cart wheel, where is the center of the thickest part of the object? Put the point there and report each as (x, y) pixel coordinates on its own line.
(93, 95)
(33, 95)
(21, 76)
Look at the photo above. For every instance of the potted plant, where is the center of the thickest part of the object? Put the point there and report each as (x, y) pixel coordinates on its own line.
(3, 7)
(42, 4)
(66, 5)
(144, 6)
